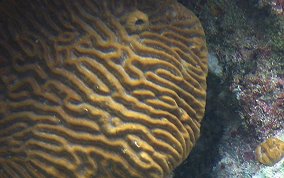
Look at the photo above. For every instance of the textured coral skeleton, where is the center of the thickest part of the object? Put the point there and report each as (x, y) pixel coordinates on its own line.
(270, 152)
(99, 88)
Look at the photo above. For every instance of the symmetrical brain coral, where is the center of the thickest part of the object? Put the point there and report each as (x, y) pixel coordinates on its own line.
(270, 152)
(92, 88)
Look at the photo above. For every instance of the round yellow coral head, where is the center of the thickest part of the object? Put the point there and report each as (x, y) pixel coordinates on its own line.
(99, 88)
(270, 152)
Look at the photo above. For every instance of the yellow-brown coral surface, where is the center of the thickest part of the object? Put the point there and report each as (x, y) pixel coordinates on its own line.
(96, 88)
(270, 152)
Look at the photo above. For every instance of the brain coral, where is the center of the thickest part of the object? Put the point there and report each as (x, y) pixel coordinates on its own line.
(270, 152)
(92, 88)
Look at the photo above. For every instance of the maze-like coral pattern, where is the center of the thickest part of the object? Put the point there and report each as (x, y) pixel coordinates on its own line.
(93, 88)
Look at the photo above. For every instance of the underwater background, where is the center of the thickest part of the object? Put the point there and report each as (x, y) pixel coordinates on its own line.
(245, 101)
(241, 134)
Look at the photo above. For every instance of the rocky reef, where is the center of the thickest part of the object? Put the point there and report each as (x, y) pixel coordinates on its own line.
(277, 6)
(245, 88)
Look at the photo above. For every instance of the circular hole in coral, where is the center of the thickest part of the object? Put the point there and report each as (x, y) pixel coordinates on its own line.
(139, 22)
